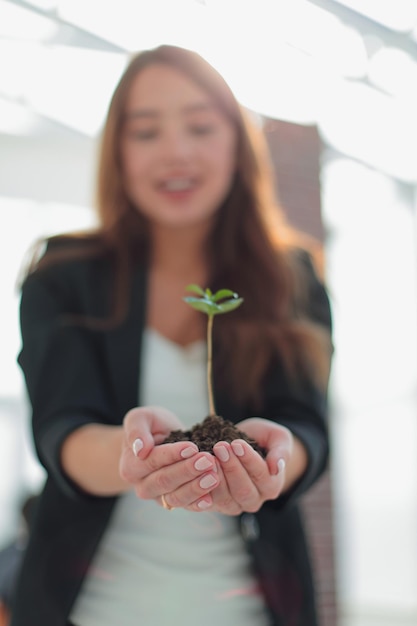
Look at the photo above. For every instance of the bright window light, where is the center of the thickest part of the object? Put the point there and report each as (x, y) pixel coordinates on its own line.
(394, 71)
(75, 86)
(138, 24)
(287, 87)
(315, 31)
(375, 128)
(291, 69)
(20, 23)
(69, 85)
(368, 213)
(16, 119)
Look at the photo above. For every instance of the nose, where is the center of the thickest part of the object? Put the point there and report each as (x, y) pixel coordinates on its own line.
(176, 146)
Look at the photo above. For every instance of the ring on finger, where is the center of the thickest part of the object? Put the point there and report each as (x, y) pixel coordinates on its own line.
(166, 505)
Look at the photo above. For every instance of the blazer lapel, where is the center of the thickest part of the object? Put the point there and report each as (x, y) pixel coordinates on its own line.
(123, 347)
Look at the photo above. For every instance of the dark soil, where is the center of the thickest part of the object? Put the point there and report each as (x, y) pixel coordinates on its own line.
(213, 429)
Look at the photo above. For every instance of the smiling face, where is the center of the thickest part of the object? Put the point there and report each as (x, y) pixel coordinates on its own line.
(178, 150)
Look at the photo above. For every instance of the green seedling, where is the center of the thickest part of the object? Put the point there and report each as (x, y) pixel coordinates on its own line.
(223, 301)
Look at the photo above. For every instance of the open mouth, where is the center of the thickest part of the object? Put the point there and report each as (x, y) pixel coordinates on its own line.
(178, 184)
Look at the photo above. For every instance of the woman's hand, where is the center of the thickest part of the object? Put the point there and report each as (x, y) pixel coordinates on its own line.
(176, 471)
(246, 479)
(235, 478)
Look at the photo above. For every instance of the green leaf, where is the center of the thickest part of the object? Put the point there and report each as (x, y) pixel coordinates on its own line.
(196, 289)
(200, 304)
(208, 302)
(224, 293)
(229, 305)
(212, 308)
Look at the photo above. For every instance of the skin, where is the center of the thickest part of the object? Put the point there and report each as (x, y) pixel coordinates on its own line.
(4, 614)
(178, 151)
(178, 159)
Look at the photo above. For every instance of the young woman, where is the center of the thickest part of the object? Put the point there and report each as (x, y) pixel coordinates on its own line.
(114, 360)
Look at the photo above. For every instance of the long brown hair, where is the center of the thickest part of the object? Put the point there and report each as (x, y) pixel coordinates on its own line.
(251, 243)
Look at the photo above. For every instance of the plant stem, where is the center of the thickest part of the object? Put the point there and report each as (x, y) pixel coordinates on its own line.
(210, 364)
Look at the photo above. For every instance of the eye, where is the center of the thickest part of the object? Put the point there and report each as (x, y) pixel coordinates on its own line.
(144, 134)
(202, 129)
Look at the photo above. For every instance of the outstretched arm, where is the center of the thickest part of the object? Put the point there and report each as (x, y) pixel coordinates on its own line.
(103, 459)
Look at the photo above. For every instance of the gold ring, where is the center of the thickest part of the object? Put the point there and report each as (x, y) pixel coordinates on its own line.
(166, 505)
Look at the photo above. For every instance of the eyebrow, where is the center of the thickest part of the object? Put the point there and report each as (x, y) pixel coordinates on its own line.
(154, 113)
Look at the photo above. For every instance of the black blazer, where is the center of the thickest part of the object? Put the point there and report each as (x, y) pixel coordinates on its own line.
(76, 375)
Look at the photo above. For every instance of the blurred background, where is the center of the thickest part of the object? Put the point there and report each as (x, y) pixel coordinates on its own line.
(334, 84)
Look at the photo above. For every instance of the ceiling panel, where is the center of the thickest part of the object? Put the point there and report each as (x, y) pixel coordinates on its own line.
(304, 62)
(398, 15)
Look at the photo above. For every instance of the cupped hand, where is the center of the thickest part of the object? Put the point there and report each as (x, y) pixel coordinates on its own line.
(246, 479)
(177, 471)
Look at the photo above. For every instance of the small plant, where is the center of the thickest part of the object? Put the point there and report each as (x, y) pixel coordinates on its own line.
(223, 301)
(214, 427)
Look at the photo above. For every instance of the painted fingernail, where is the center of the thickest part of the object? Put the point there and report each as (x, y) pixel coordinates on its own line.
(222, 453)
(137, 446)
(188, 452)
(281, 465)
(207, 481)
(238, 448)
(203, 504)
(202, 463)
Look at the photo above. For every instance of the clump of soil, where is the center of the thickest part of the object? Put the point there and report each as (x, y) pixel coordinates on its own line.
(213, 429)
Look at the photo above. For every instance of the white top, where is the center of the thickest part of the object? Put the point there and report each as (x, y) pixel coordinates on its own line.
(163, 568)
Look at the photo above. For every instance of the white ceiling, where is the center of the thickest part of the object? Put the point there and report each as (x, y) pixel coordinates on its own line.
(348, 66)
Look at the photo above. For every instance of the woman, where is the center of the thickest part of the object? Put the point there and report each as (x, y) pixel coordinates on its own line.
(114, 361)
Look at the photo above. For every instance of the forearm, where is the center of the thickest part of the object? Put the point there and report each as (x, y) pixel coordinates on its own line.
(90, 457)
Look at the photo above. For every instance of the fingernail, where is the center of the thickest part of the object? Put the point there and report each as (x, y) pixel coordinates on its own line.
(207, 481)
(137, 446)
(222, 453)
(188, 452)
(202, 463)
(238, 448)
(203, 504)
(281, 465)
